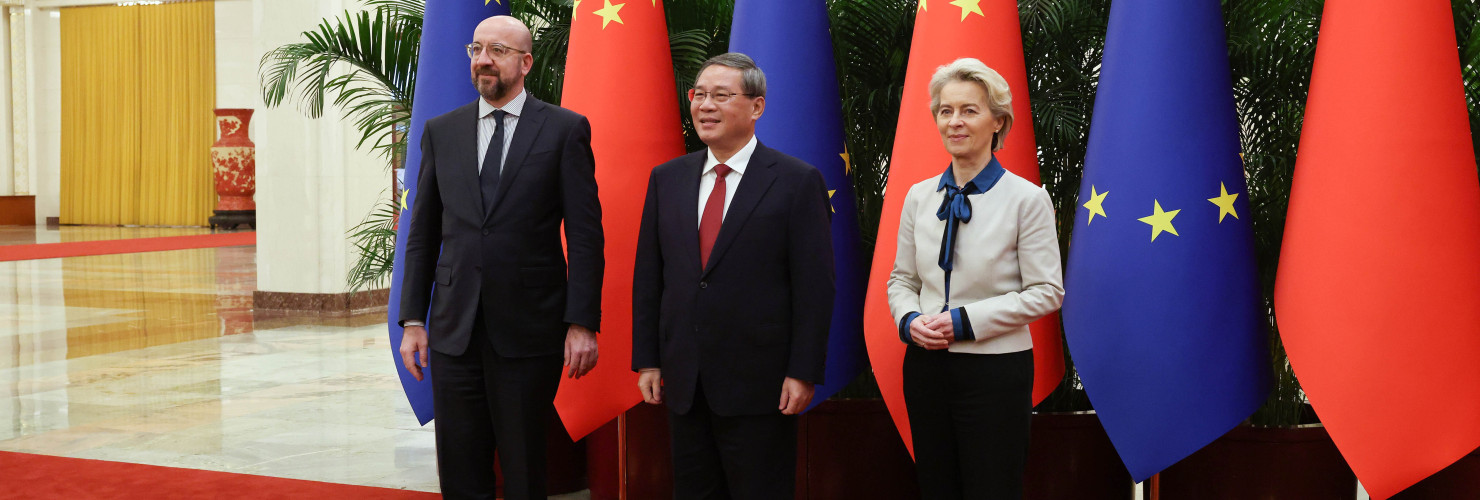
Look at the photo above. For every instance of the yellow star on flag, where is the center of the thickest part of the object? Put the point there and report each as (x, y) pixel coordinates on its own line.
(1160, 221)
(500, 2)
(921, 7)
(405, 193)
(574, 10)
(609, 13)
(1096, 204)
(829, 200)
(1225, 203)
(969, 7)
(847, 161)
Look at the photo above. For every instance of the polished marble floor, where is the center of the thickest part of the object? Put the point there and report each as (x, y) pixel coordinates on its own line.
(154, 358)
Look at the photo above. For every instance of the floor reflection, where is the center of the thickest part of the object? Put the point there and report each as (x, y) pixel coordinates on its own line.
(154, 358)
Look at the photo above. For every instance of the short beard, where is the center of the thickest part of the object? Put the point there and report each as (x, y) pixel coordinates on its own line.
(493, 92)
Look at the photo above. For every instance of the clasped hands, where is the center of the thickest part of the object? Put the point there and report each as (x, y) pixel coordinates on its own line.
(933, 332)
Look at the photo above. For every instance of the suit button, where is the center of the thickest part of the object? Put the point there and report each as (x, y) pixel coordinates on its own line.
(485, 232)
(703, 284)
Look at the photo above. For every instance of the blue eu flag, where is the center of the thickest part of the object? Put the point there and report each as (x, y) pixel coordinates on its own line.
(804, 118)
(443, 82)
(1163, 311)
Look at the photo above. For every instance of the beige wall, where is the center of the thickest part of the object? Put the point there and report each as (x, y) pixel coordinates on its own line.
(312, 184)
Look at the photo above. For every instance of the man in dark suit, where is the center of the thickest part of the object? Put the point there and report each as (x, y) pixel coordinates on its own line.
(732, 294)
(498, 177)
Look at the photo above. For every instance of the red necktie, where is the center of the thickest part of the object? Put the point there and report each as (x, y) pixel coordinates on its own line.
(714, 214)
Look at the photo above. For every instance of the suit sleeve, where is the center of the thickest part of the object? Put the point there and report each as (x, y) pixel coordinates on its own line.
(584, 239)
(904, 281)
(647, 284)
(810, 258)
(1042, 274)
(424, 240)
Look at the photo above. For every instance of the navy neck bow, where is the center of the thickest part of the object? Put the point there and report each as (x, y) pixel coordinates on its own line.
(955, 207)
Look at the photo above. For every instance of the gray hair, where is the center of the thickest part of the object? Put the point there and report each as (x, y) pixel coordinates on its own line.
(999, 95)
(752, 79)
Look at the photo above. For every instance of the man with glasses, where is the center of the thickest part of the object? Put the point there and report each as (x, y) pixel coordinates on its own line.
(732, 294)
(498, 178)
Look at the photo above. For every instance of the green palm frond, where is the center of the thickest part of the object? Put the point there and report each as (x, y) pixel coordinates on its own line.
(1063, 43)
(549, 22)
(374, 239)
(871, 47)
(697, 30)
(1271, 47)
(366, 61)
(1467, 31)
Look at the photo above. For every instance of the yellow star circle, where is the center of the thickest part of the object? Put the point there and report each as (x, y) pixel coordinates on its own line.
(1096, 204)
(1225, 203)
(1160, 221)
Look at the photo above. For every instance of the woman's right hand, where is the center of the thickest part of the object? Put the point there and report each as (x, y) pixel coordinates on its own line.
(925, 337)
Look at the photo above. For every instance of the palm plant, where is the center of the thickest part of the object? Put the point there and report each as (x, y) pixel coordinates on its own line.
(1467, 31)
(1271, 46)
(367, 62)
(871, 46)
(1272, 50)
(1063, 42)
(549, 22)
(375, 50)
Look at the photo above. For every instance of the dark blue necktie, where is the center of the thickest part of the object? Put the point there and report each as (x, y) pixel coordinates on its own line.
(488, 177)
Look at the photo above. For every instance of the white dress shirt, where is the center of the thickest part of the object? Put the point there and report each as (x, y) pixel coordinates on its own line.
(486, 126)
(736, 163)
(1007, 269)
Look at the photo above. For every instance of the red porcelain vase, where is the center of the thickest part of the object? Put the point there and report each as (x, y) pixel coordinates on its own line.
(235, 160)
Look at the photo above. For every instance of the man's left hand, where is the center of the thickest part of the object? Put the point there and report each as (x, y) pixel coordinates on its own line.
(580, 350)
(795, 395)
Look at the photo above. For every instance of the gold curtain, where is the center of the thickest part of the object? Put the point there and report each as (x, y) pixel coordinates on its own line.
(138, 89)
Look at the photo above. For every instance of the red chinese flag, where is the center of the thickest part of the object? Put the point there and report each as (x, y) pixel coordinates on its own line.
(987, 30)
(1378, 293)
(619, 73)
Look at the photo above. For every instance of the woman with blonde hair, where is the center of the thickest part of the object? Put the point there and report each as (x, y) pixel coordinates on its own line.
(978, 260)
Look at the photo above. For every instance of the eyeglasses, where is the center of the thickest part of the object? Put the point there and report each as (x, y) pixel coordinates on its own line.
(696, 95)
(495, 51)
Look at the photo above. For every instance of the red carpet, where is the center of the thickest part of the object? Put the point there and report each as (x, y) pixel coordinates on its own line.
(135, 245)
(47, 477)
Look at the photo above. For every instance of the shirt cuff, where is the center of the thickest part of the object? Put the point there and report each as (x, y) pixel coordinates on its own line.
(961, 325)
(904, 327)
(412, 322)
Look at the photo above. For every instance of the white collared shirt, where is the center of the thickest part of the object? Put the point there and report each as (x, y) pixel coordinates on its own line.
(486, 126)
(736, 163)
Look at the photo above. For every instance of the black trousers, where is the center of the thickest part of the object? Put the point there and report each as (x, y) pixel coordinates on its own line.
(970, 416)
(486, 403)
(747, 457)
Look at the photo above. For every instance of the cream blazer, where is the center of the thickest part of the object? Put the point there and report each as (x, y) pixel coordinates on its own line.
(1007, 267)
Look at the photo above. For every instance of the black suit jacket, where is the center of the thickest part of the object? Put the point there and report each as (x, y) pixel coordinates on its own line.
(506, 259)
(760, 311)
